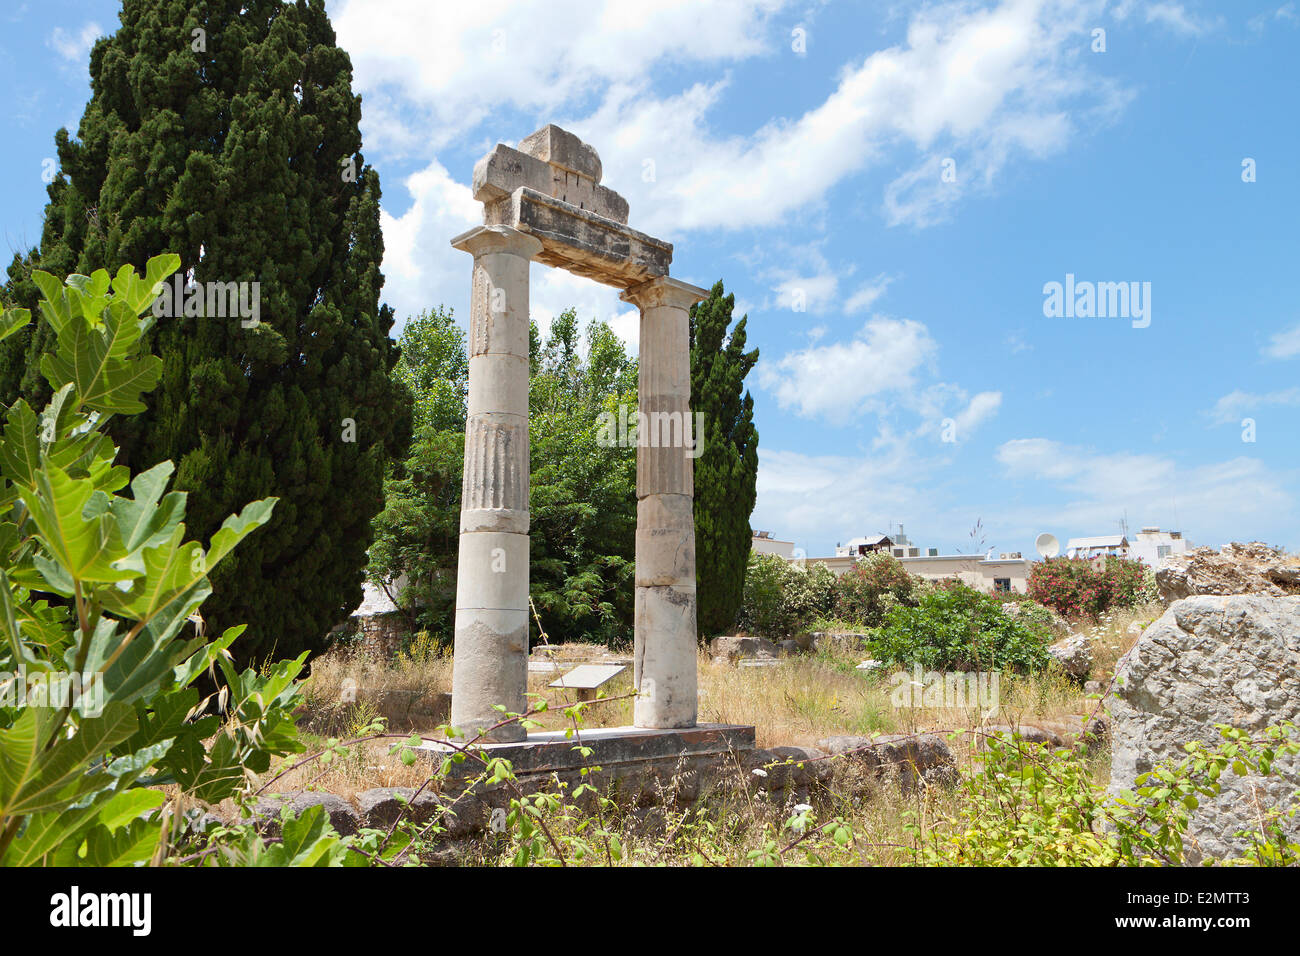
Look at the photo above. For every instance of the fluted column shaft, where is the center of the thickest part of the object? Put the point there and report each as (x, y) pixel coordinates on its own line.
(665, 650)
(490, 666)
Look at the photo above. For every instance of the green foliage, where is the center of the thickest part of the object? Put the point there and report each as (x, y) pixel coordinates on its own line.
(726, 470)
(954, 627)
(418, 532)
(583, 489)
(1027, 805)
(781, 597)
(99, 584)
(233, 157)
(876, 583)
(1075, 587)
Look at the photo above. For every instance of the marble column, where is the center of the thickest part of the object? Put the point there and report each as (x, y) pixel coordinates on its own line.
(665, 653)
(491, 652)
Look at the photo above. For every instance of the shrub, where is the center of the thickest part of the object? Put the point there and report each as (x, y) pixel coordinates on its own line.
(955, 627)
(1075, 587)
(1029, 805)
(876, 583)
(782, 597)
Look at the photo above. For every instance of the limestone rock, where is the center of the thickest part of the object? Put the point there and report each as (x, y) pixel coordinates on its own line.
(343, 816)
(842, 641)
(912, 756)
(1074, 654)
(1253, 568)
(734, 647)
(1211, 660)
(1029, 733)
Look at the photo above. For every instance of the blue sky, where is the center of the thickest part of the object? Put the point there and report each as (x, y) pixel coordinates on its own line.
(887, 188)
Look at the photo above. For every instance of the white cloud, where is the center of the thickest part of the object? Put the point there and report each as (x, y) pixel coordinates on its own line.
(554, 290)
(458, 62)
(74, 47)
(1286, 14)
(867, 294)
(1176, 17)
(981, 408)
(1219, 501)
(1232, 407)
(812, 293)
(837, 380)
(420, 266)
(829, 498)
(1284, 344)
(986, 82)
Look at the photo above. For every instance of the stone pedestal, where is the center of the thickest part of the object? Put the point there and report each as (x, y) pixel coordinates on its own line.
(491, 651)
(665, 656)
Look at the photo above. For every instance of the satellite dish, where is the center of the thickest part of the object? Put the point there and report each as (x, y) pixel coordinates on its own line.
(1047, 545)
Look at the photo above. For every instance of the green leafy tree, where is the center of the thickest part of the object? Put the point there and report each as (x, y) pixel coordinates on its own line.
(417, 534)
(583, 495)
(227, 131)
(726, 471)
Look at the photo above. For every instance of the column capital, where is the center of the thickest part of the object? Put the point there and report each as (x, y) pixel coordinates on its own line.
(663, 291)
(483, 240)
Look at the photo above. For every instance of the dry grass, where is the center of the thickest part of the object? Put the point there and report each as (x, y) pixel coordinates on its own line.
(1115, 634)
(799, 701)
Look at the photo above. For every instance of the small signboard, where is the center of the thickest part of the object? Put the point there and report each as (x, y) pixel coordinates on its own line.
(586, 679)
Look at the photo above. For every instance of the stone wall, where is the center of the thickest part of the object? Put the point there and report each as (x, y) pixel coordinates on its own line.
(381, 635)
(787, 775)
(1211, 660)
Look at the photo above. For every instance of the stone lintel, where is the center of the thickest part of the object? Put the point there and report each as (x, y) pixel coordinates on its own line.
(662, 290)
(584, 243)
(551, 750)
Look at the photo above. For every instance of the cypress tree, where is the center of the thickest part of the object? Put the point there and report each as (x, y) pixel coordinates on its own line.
(726, 472)
(226, 131)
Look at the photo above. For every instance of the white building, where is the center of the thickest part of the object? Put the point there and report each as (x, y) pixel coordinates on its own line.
(1153, 546)
(763, 543)
(991, 573)
(1106, 544)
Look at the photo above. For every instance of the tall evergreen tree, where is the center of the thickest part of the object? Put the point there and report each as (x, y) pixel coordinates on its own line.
(726, 471)
(226, 131)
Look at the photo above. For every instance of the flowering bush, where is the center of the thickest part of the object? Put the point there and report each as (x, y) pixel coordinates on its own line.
(876, 583)
(1076, 588)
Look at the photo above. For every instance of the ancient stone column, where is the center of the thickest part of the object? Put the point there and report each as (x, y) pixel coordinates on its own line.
(665, 655)
(491, 653)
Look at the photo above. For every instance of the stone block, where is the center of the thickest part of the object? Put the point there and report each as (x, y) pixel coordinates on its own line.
(559, 147)
(1211, 660)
